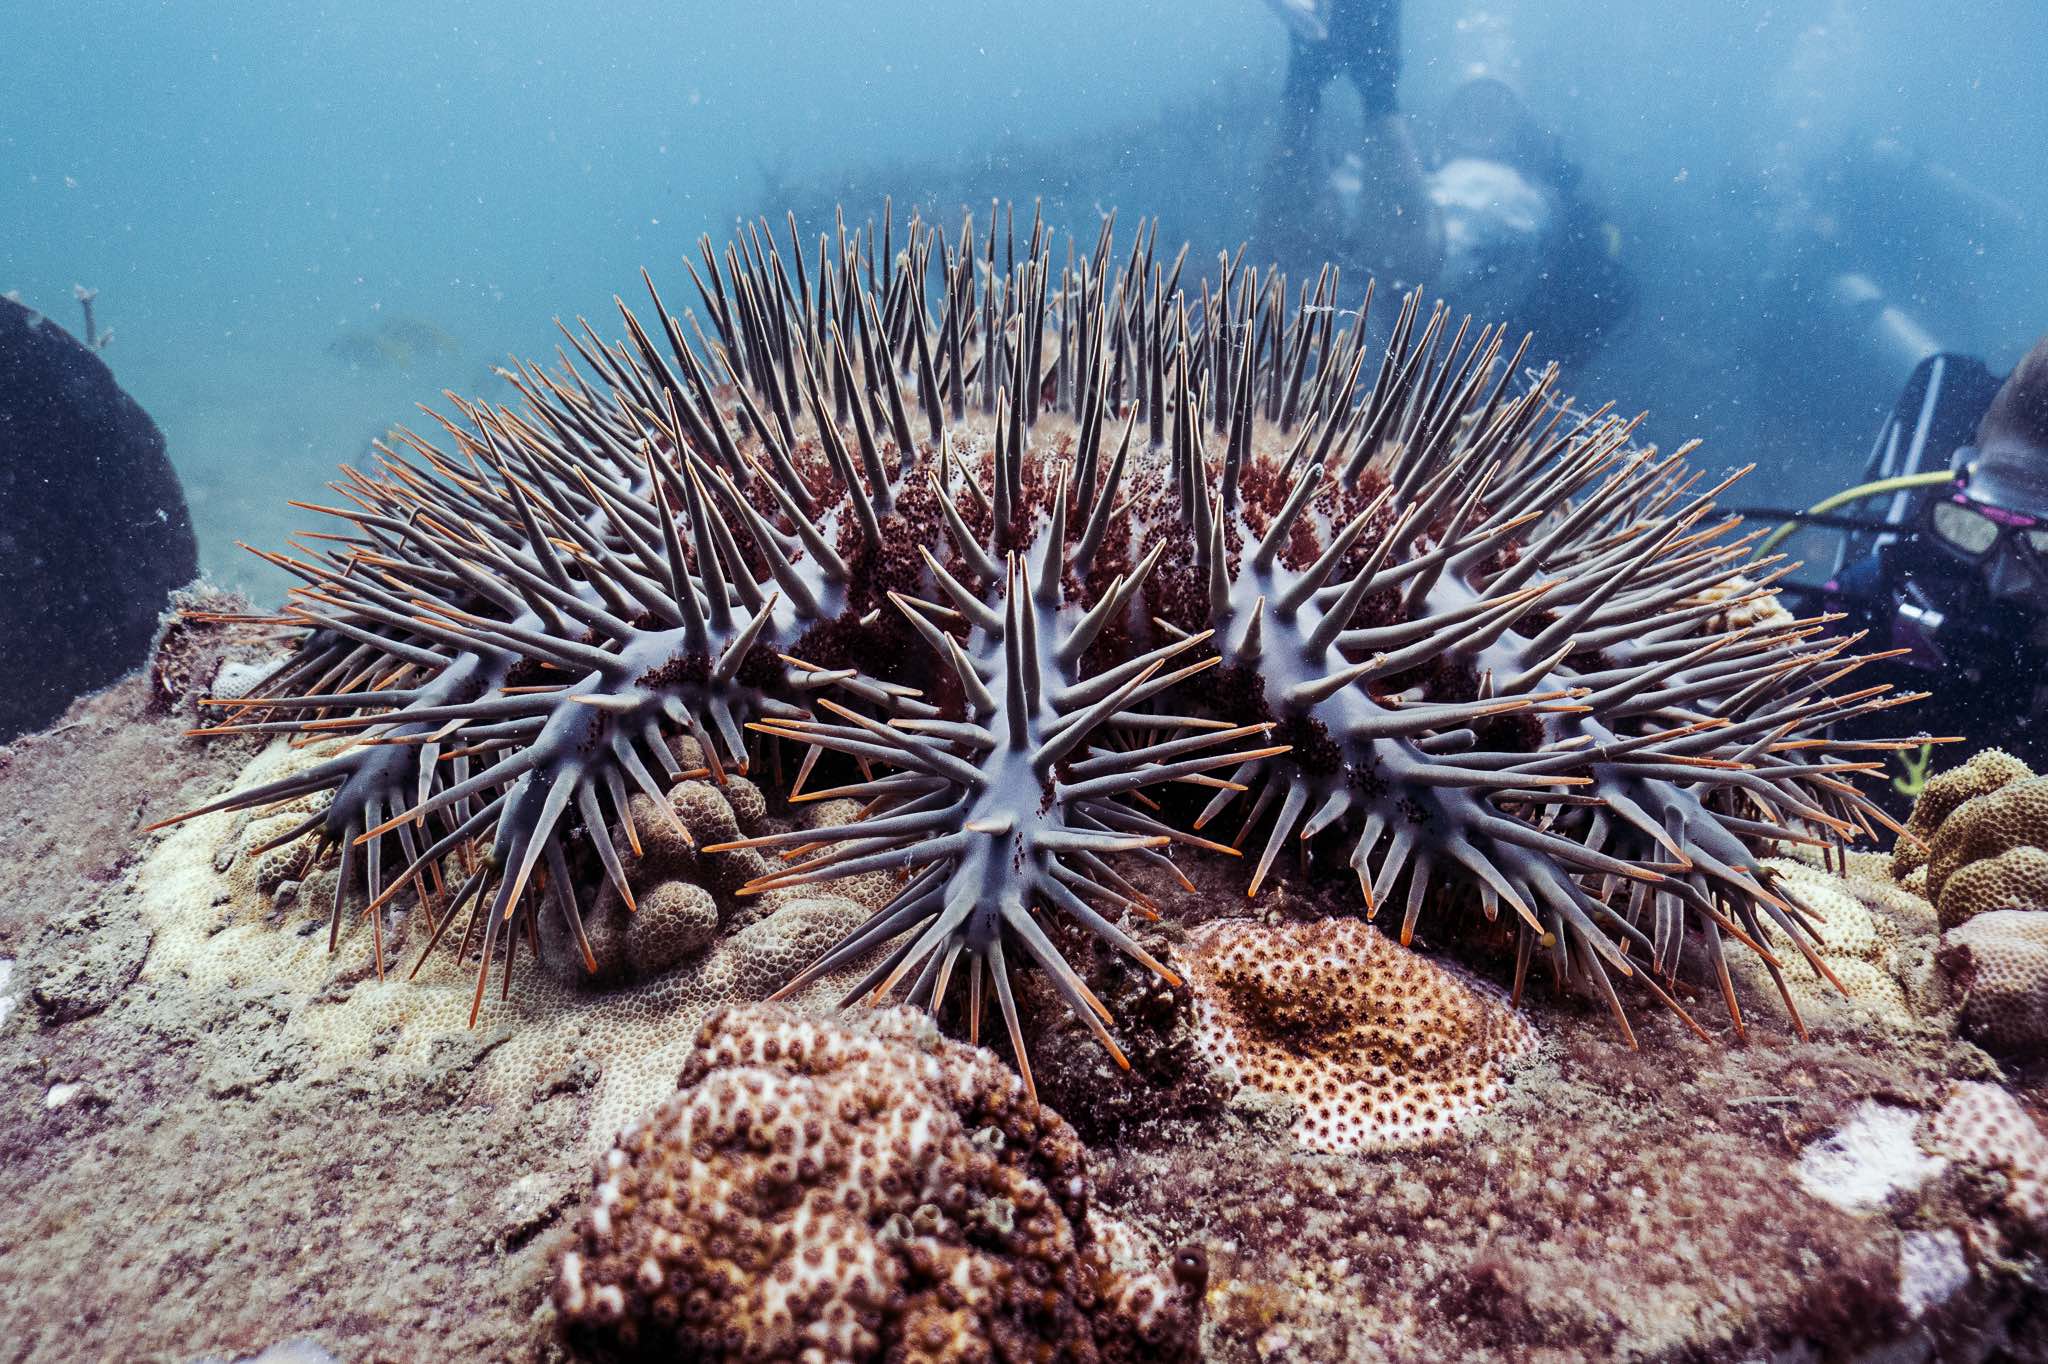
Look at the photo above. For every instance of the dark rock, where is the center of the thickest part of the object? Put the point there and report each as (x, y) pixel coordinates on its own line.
(93, 527)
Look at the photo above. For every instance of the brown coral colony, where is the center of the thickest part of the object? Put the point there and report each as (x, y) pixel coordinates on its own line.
(1018, 547)
(823, 1191)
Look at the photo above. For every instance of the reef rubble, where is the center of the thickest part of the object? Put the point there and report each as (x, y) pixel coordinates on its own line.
(220, 1138)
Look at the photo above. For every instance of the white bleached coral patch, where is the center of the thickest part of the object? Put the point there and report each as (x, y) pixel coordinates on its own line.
(1933, 1269)
(1871, 1158)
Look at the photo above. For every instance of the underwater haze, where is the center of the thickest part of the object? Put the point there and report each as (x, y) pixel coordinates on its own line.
(305, 219)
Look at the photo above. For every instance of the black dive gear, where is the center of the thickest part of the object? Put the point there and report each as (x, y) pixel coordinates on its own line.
(1939, 574)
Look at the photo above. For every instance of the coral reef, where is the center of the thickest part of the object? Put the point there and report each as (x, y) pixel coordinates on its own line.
(854, 1192)
(1372, 1045)
(1440, 627)
(1613, 1204)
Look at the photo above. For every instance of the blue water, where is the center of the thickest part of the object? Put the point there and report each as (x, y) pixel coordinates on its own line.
(254, 187)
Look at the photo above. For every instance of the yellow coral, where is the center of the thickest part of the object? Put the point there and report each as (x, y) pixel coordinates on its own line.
(1992, 853)
(1985, 772)
(1749, 605)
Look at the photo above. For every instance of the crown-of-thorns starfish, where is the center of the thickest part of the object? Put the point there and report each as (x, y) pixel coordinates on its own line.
(1010, 807)
(1486, 628)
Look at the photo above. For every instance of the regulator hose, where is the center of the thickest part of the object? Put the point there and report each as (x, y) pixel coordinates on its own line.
(1855, 494)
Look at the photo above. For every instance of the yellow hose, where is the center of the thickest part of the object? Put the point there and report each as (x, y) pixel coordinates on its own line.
(1857, 493)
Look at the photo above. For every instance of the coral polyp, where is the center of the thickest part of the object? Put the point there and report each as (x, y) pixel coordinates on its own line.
(1002, 540)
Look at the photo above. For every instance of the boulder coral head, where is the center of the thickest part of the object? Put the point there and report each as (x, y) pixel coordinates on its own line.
(1997, 964)
(1022, 538)
(1986, 771)
(1991, 853)
(827, 1191)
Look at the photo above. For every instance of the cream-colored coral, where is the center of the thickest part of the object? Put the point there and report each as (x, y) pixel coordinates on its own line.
(1751, 606)
(1983, 1125)
(1859, 942)
(267, 926)
(1375, 1045)
(854, 1190)
(684, 899)
(1996, 966)
(674, 922)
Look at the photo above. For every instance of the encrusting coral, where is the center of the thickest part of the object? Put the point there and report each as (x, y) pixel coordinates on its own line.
(826, 1191)
(1374, 1045)
(1439, 627)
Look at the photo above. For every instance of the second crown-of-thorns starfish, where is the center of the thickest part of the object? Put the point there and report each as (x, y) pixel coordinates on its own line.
(1441, 626)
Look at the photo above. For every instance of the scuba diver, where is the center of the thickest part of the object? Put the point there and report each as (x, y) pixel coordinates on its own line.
(1524, 240)
(1482, 207)
(1358, 41)
(1868, 254)
(1948, 572)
